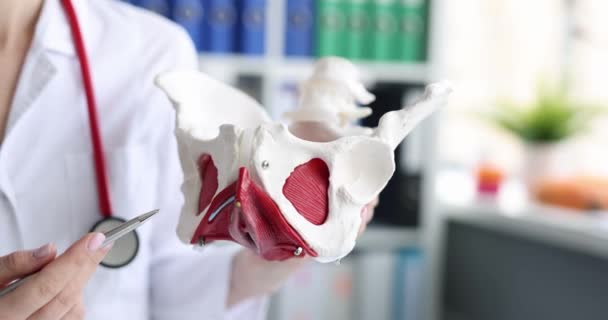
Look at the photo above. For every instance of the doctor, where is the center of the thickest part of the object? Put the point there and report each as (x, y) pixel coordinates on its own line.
(53, 130)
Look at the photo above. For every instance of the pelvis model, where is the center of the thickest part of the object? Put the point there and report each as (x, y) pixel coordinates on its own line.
(285, 190)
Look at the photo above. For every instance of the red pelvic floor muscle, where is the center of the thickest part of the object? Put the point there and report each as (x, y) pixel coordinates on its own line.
(274, 236)
(208, 174)
(216, 229)
(306, 188)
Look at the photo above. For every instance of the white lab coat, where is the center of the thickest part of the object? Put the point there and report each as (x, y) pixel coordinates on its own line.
(47, 184)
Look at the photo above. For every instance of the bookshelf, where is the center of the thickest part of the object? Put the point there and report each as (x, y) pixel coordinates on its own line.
(297, 69)
(274, 68)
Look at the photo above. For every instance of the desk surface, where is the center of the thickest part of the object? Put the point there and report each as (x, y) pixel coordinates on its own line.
(512, 212)
(572, 230)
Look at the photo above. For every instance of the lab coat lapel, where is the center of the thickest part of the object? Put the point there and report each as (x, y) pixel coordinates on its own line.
(37, 69)
(52, 36)
(52, 40)
(36, 72)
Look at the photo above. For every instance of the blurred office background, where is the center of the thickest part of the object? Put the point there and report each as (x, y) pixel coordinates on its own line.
(496, 210)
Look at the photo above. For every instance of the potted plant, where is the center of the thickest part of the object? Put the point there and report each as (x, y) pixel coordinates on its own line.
(550, 119)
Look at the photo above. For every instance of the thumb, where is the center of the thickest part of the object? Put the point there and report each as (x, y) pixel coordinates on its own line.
(22, 263)
(88, 250)
(85, 254)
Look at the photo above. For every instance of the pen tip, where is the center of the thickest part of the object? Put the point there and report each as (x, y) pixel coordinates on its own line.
(146, 216)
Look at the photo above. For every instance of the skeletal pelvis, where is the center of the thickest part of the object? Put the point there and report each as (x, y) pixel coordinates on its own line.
(284, 190)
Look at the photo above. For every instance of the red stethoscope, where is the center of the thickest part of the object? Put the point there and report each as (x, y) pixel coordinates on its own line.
(126, 248)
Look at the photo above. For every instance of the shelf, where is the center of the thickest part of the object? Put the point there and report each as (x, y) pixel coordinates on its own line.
(512, 212)
(370, 71)
(573, 230)
(387, 238)
(254, 65)
(297, 69)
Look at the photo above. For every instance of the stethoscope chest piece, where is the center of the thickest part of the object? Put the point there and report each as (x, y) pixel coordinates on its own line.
(124, 249)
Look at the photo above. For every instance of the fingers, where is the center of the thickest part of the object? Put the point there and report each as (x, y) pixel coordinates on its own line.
(22, 263)
(65, 301)
(53, 289)
(367, 213)
(76, 313)
(374, 203)
(61, 304)
(364, 219)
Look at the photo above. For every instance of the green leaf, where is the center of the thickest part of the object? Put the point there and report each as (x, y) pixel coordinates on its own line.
(552, 117)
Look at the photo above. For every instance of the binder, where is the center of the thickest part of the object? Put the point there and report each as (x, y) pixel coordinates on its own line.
(331, 28)
(252, 26)
(412, 30)
(220, 22)
(161, 7)
(299, 28)
(318, 291)
(189, 14)
(373, 293)
(385, 29)
(358, 34)
(407, 285)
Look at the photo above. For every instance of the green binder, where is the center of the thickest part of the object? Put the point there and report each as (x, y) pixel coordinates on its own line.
(331, 28)
(385, 30)
(412, 30)
(358, 29)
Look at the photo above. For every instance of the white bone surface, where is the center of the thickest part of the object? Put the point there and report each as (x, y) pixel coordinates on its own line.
(331, 94)
(216, 119)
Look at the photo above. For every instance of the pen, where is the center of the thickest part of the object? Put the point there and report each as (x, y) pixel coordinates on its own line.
(111, 236)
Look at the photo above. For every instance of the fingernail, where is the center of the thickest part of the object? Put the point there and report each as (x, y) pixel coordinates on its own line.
(42, 252)
(107, 247)
(95, 241)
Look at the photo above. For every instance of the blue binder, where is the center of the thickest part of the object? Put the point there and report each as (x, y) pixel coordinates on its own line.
(189, 14)
(161, 7)
(407, 285)
(299, 28)
(252, 26)
(220, 24)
